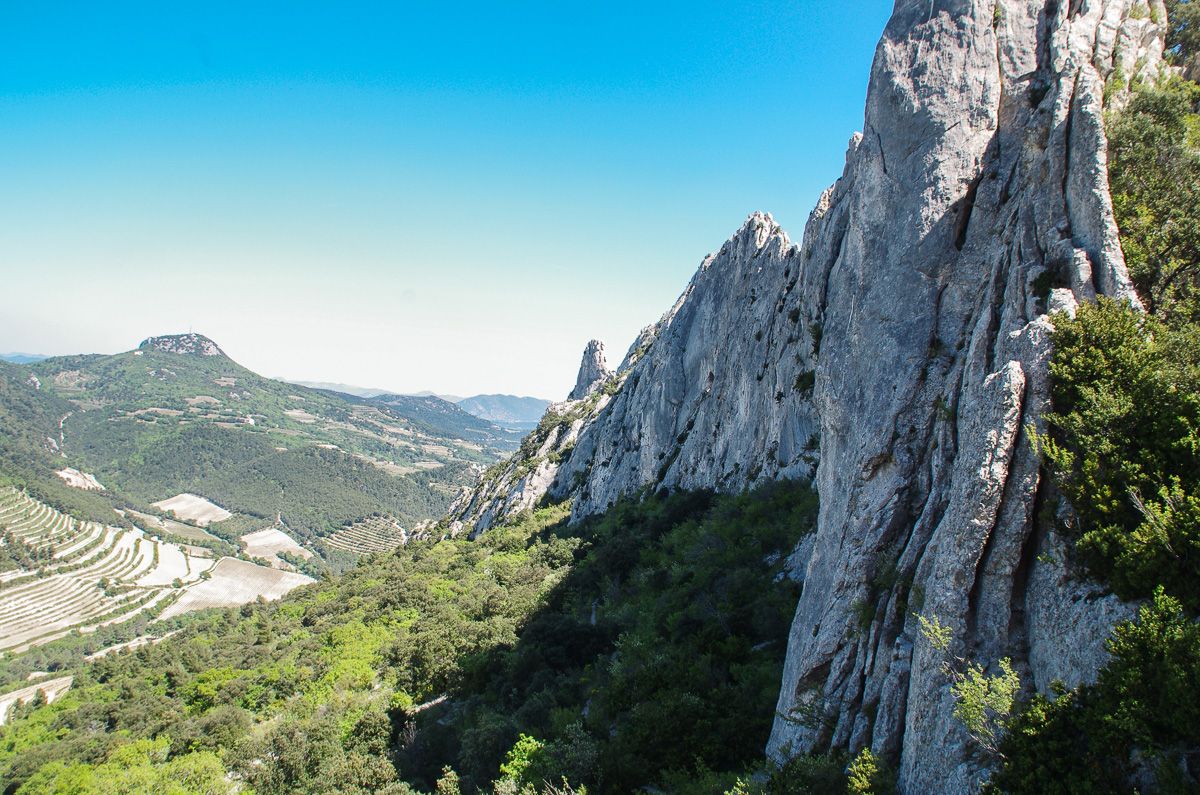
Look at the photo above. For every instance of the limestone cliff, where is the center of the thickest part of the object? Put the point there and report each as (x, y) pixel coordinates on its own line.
(897, 356)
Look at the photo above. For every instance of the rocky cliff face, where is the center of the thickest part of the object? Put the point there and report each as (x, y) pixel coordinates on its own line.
(898, 357)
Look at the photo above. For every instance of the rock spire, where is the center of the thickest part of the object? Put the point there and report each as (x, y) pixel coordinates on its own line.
(593, 371)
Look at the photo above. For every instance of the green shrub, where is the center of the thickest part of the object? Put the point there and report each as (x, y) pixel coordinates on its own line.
(1154, 176)
(1123, 446)
(1183, 29)
(1139, 717)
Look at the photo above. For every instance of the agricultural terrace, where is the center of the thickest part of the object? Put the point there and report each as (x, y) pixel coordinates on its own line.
(373, 534)
(49, 690)
(59, 575)
(269, 542)
(194, 508)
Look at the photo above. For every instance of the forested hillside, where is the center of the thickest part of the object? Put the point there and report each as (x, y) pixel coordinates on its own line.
(166, 419)
(30, 445)
(538, 652)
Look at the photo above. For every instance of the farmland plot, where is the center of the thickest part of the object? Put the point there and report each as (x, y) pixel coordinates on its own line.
(50, 690)
(236, 582)
(268, 543)
(83, 575)
(78, 576)
(194, 508)
(171, 526)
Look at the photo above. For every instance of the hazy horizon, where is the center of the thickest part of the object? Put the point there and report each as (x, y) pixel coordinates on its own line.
(374, 197)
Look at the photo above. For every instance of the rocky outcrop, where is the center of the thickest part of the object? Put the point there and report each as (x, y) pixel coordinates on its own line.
(593, 371)
(185, 344)
(718, 393)
(520, 483)
(897, 356)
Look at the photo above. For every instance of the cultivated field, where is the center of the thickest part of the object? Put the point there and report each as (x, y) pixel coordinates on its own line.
(87, 575)
(268, 543)
(236, 582)
(80, 480)
(375, 534)
(195, 509)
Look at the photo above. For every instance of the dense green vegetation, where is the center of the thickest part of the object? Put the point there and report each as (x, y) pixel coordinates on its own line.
(1140, 720)
(29, 452)
(670, 619)
(1123, 445)
(1183, 30)
(1154, 167)
(641, 647)
(315, 489)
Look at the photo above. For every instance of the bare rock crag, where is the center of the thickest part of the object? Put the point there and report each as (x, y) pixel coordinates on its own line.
(190, 344)
(897, 357)
(593, 371)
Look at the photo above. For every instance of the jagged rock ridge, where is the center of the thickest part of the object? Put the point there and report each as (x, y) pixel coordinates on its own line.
(186, 344)
(898, 356)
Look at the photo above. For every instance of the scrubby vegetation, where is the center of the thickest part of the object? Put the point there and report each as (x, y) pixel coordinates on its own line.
(1154, 168)
(1139, 721)
(643, 647)
(1125, 433)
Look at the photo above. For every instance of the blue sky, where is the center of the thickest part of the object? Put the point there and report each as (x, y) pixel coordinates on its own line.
(413, 197)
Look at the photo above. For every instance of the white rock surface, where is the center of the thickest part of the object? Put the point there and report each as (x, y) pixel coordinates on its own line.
(593, 371)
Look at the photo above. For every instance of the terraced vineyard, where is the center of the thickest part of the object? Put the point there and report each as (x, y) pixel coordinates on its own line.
(59, 575)
(87, 575)
(65, 575)
(374, 534)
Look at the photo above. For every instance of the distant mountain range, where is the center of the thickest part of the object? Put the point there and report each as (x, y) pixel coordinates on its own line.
(22, 358)
(507, 411)
(345, 389)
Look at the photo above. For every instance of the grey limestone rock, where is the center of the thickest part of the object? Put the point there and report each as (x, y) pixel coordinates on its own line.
(190, 344)
(897, 357)
(593, 371)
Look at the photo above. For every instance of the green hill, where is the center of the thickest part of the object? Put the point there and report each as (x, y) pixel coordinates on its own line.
(177, 415)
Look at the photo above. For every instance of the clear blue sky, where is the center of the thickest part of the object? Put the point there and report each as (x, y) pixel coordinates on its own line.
(446, 196)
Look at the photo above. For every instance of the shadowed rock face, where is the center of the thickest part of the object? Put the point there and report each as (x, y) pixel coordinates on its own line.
(898, 357)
